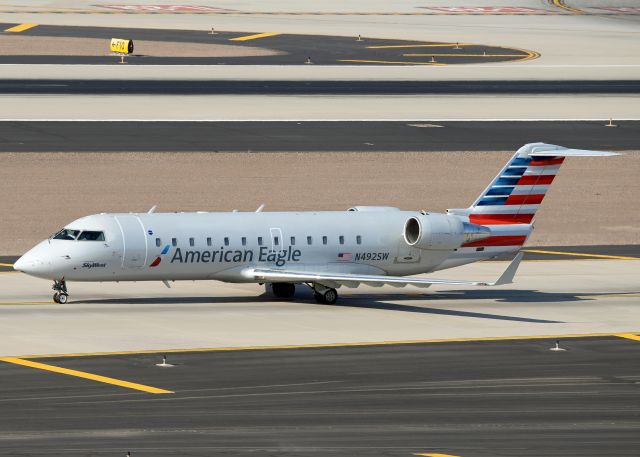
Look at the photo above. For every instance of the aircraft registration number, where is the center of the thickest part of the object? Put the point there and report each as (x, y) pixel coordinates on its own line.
(365, 256)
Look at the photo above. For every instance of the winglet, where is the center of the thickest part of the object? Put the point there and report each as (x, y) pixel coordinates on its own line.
(510, 272)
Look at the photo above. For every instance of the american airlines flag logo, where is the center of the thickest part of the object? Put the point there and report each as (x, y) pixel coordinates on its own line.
(156, 262)
(345, 256)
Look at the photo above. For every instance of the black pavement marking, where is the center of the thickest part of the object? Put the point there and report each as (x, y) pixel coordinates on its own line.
(301, 136)
(226, 87)
(476, 399)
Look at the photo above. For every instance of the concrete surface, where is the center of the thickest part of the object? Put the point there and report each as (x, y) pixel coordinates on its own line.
(549, 297)
(326, 107)
(531, 70)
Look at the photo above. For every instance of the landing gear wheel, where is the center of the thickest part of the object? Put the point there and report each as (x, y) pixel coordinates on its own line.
(283, 289)
(328, 297)
(61, 296)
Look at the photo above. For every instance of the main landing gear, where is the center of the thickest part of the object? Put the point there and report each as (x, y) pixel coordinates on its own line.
(324, 295)
(61, 296)
(283, 289)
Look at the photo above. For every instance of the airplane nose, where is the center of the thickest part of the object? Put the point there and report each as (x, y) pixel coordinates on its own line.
(19, 264)
(30, 264)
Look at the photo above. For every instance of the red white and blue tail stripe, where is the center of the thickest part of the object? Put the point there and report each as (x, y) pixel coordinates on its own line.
(508, 205)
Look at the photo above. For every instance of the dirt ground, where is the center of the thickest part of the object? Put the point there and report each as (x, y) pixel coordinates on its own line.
(593, 201)
(65, 46)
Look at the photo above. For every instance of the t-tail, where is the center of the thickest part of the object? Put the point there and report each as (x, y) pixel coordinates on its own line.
(509, 204)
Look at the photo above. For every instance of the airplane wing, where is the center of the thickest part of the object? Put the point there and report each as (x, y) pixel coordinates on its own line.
(354, 280)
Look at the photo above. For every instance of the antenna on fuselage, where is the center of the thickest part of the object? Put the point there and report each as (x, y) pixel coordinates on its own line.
(260, 208)
(152, 210)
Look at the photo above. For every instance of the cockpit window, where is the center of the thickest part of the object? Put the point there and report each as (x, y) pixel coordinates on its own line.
(88, 235)
(66, 234)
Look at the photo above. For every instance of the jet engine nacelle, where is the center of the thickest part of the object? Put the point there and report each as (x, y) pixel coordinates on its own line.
(442, 232)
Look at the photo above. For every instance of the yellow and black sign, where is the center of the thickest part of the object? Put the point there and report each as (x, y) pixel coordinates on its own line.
(121, 46)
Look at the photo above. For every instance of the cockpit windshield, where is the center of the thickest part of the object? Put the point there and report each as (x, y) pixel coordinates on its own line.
(88, 235)
(66, 234)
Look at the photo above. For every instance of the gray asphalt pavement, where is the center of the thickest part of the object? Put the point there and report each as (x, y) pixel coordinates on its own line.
(293, 49)
(126, 136)
(472, 399)
(309, 87)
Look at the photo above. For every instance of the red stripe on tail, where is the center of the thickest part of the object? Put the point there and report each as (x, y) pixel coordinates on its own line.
(495, 219)
(505, 240)
(532, 199)
(535, 180)
(540, 162)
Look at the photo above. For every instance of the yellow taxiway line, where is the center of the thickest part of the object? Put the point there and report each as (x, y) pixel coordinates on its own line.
(577, 254)
(440, 45)
(431, 454)
(465, 55)
(629, 336)
(21, 28)
(328, 345)
(391, 62)
(6, 264)
(255, 36)
(560, 4)
(85, 375)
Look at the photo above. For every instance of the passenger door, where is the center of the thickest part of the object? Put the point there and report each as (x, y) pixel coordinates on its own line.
(134, 241)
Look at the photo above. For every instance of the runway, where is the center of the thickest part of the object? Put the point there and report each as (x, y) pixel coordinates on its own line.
(471, 399)
(391, 136)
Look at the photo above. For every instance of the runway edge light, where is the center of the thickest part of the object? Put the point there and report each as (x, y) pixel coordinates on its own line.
(121, 46)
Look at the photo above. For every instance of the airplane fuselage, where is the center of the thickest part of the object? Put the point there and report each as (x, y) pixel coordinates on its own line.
(198, 246)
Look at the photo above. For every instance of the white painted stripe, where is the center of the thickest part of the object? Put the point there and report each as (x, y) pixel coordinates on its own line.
(505, 209)
(529, 190)
(537, 171)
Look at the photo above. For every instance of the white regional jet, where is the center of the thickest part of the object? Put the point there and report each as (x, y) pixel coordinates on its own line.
(324, 249)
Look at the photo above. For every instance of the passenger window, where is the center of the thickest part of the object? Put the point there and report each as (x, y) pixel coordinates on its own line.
(91, 236)
(309, 240)
(158, 242)
(293, 241)
(341, 239)
(359, 239)
(324, 240)
(244, 240)
(174, 242)
(259, 241)
(209, 241)
(226, 241)
(66, 234)
(192, 242)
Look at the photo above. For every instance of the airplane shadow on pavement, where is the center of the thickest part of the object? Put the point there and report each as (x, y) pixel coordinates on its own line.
(382, 301)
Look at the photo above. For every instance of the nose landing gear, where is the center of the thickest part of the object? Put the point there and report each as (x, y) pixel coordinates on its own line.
(61, 296)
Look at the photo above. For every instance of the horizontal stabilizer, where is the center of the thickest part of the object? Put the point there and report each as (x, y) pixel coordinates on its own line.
(563, 152)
